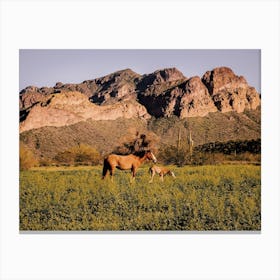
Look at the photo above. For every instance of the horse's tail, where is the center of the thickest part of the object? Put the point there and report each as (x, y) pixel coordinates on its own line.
(105, 168)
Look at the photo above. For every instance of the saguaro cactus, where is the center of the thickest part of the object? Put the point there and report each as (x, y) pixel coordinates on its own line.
(190, 142)
(179, 140)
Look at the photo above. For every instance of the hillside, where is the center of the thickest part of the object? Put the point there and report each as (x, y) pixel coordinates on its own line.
(46, 142)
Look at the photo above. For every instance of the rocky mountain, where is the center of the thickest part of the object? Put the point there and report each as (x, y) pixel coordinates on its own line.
(104, 112)
(127, 94)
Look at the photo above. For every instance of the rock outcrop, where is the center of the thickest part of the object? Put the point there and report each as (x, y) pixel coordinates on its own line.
(159, 81)
(72, 107)
(195, 100)
(32, 95)
(188, 99)
(229, 91)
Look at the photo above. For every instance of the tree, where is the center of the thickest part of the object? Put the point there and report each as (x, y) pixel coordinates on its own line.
(26, 158)
(139, 142)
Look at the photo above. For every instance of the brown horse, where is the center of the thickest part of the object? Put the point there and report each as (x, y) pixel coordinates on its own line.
(132, 162)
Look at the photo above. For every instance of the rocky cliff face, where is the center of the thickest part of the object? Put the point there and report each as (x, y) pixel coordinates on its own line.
(72, 107)
(159, 81)
(230, 92)
(126, 94)
(195, 100)
(32, 95)
(218, 90)
(113, 88)
(189, 99)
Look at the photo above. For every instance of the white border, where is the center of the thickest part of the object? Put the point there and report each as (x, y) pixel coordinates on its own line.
(135, 24)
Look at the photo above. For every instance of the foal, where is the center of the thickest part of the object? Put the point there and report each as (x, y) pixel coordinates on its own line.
(161, 171)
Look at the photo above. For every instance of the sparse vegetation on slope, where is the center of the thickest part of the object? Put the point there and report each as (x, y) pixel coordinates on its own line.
(47, 142)
(106, 136)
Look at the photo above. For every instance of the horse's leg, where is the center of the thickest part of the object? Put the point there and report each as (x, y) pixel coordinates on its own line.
(133, 170)
(152, 175)
(112, 169)
(105, 169)
(161, 176)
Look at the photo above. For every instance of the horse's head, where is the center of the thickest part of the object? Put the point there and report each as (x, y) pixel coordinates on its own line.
(150, 156)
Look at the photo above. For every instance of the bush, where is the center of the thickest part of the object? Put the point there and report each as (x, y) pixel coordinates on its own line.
(80, 154)
(210, 153)
(26, 158)
(232, 147)
(45, 162)
(131, 144)
(174, 155)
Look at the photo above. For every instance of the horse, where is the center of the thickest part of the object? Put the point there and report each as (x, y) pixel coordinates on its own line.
(161, 171)
(131, 161)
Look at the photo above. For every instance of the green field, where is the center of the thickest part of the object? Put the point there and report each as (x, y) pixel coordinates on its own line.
(220, 197)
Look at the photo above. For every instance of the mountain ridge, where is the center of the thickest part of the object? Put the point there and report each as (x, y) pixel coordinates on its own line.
(125, 94)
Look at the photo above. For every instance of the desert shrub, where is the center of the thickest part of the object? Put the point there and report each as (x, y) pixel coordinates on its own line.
(85, 154)
(138, 142)
(249, 157)
(167, 154)
(80, 154)
(170, 154)
(45, 162)
(26, 158)
(175, 155)
(232, 147)
(65, 157)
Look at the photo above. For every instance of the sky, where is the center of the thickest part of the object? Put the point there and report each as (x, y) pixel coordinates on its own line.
(47, 67)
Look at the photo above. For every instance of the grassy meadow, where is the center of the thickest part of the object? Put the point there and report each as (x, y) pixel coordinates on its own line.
(217, 197)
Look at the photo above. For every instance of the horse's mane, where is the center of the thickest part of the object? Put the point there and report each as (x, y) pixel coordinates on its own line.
(140, 153)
